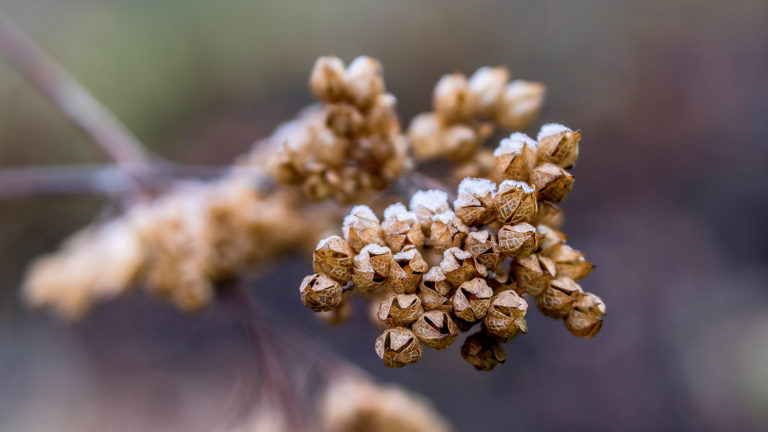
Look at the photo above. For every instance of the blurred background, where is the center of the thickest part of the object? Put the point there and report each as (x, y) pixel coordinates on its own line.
(670, 202)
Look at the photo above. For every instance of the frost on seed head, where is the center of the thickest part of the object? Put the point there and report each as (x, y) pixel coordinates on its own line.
(551, 129)
(476, 187)
(445, 217)
(398, 212)
(514, 144)
(513, 184)
(433, 200)
(323, 242)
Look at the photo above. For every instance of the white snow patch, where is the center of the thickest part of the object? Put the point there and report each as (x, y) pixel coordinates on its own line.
(445, 217)
(514, 184)
(514, 144)
(551, 129)
(398, 212)
(433, 200)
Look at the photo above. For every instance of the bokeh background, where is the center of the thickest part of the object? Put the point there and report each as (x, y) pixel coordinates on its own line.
(670, 203)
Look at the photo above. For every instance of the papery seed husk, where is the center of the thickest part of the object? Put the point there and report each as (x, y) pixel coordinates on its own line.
(586, 316)
(397, 347)
(506, 315)
(518, 240)
(320, 293)
(459, 266)
(552, 182)
(561, 148)
(548, 214)
(570, 262)
(334, 258)
(435, 329)
(471, 300)
(400, 309)
(515, 204)
(532, 275)
(435, 290)
(482, 351)
(372, 268)
(482, 245)
(558, 298)
(406, 271)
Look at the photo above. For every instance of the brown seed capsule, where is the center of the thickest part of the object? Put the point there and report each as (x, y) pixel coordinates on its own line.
(401, 228)
(515, 202)
(552, 182)
(518, 240)
(342, 120)
(361, 227)
(515, 157)
(327, 79)
(435, 291)
(471, 300)
(363, 80)
(551, 239)
(558, 145)
(435, 329)
(406, 271)
(586, 316)
(483, 247)
(446, 231)
(460, 141)
(398, 346)
(520, 104)
(570, 262)
(372, 268)
(548, 214)
(474, 205)
(460, 266)
(506, 315)
(320, 293)
(557, 299)
(400, 309)
(482, 351)
(334, 258)
(533, 273)
(486, 90)
(427, 203)
(450, 97)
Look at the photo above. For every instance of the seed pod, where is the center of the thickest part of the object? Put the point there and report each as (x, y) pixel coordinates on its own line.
(320, 293)
(474, 205)
(548, 214)
(435, 329)
(327, 79)
(586, 316)
(406, 271)
(482, 351)
(460, 141)
(361, 227)
(398, 346)
(558, 298)
(400, 309)
(533, 273)
(401, 228)
(518, 240)
(506, 315)
(363, 80)
(427, 203)
(459, 266)
(334, 258)
(447, 231)
(450, 97)
(551, 239)
(372, 268)
(435, 290)
(483, 247)
(471, 300)
(515, 157)
(343, 120)
(515, 202)
(570, 262)
(520, 104)
(558, 145)
(552, 182)
(486, 90)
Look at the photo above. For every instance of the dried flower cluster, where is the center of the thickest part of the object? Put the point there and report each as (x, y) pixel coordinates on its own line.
(178, 246)
(350, 144)
(496, 244)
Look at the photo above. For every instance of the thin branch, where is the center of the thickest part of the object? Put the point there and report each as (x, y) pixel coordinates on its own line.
(77, 104)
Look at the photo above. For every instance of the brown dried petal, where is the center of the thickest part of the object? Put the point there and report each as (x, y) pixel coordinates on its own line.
(334, 258)
(515, 202)
(518, 240)
(586, 316)
(460, 266)
(482, 351)
(552, 182)
(506, 315)
(533, 273)
(515, 157)
(400, 309)
(320, 293)
(436, 329)
(398, 346)
(471, 300)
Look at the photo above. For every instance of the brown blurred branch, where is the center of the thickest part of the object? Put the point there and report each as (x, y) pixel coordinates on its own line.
(77, 104)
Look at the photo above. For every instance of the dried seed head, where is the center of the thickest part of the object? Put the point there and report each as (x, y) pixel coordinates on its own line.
(486, 90)
(427, 203)
(482, 351)
(551, 239)
(506, 315)
(533, 273)
(518, 240)
(451, 96)
(548, 214)
(401, 228)
(435, 290)
(520, 104)
(483, 247)
(460, 141)
(327, 79)
(435, 329)
(557, 299)
(398, 346)
(446, 231)
(552, 182)
(361, 227)
(406, 271)
(474, 205)
(558, 145)
(334, 258)
(426, 135)
(460, 266)
(372, 268)
(570, 262)
(586, 316)
(471, 300)
(320, 293)
(515, 157)
(364, 80)
(400, 309)
(515, 202)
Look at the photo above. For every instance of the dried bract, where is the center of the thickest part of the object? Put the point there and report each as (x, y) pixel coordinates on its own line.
(435, 329)
(397, 347)
(320, 293)
(506, 315)
(586, 316)
(471, 300)
(334, 258)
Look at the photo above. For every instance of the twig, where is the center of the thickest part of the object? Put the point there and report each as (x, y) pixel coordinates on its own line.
(77, 104)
